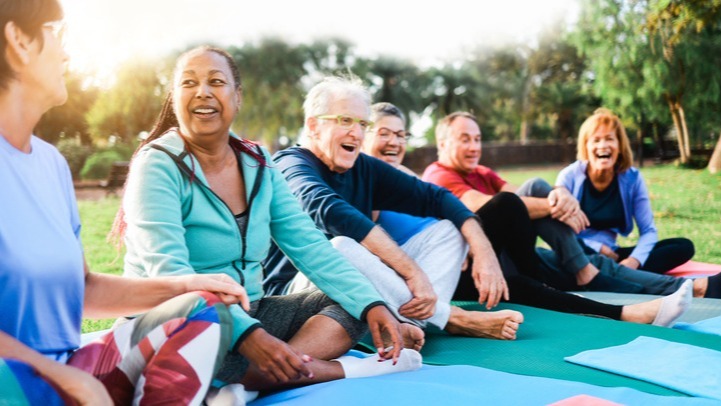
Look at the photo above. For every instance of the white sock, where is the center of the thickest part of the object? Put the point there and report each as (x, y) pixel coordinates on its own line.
(354, 367)
(230, 395)
(674, 305)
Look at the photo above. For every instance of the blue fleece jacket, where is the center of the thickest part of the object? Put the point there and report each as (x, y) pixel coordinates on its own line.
(636, 206)
(178, 227)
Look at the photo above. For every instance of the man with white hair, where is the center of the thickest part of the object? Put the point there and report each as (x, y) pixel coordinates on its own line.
(340, 188)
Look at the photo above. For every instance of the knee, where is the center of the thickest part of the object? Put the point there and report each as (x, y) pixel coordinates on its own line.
(687, 247)
(535, 187)
(508, 203)
(345, 323)
(343, 243)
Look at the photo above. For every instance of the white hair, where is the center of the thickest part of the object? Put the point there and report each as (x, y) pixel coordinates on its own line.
(317, 101)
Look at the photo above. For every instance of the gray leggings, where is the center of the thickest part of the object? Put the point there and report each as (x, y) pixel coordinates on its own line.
(556, 234)
(568, 256)
(283, 316)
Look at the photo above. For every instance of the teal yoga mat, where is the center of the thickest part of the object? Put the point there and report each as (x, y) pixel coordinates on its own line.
(545, 338)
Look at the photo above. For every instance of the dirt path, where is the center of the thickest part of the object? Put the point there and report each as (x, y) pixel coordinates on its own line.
(93, 193)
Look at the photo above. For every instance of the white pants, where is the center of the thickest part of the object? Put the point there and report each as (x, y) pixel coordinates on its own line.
(439, 250)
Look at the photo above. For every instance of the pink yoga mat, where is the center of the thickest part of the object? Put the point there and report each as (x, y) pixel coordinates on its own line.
(584, 400)
(693, 268)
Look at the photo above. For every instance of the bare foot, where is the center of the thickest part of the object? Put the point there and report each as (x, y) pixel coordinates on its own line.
(501, 324)
(661, 312)
(413, 336)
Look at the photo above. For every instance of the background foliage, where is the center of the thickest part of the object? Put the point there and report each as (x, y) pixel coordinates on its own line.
(654, 62)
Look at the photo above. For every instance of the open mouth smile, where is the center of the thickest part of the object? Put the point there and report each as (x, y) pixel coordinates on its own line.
(603, 155)
(349, 147)
(204, 111)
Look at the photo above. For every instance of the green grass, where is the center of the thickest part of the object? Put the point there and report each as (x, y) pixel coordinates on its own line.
(97, 219)
(685, 202)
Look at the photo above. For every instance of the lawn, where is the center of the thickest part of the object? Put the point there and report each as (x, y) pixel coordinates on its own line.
(685, 202)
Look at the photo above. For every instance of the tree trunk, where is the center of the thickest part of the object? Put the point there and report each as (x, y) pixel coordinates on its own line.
(686, 142)
(677, 123)
(714, 165)
(639, 151)
(524, 132)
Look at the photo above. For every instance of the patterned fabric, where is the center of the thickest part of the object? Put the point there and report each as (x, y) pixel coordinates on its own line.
(168, 355)
(177, 345)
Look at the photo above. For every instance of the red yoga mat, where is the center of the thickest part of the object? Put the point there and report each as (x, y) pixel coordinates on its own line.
(693, 268)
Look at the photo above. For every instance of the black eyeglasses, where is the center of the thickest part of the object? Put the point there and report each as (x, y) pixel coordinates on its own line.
(385, 134)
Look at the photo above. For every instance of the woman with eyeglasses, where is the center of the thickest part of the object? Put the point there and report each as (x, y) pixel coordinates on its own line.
(45, 285)
(200, 199)
(388, 138)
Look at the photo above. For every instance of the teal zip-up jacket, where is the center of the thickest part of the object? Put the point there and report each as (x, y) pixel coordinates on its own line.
(178, 227)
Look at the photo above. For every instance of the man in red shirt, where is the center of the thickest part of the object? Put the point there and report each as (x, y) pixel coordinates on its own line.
(555, 213)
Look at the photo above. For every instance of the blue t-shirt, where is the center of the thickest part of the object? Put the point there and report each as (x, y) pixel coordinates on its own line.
(401, 227)
(41, 261)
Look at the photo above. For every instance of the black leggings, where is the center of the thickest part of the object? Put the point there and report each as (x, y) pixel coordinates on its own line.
(665, 255)
(506, 223)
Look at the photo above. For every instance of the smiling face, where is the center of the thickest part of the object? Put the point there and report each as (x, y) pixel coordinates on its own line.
(383, 143)
(602, 149)
(336, 146)
(205, 95)
(461, 148)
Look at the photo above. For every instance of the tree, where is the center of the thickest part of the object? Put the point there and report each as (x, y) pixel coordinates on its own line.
(395, 81)
(620, 58)
(675, 21)
(559, 84)
(714, 164)
(131, 104)
(272, 94)
(68, 120)
(644, 67)
(501, 73)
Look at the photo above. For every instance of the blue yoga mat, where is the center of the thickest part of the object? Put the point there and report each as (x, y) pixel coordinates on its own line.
(682, 367)
(460, 385)
(708, 326)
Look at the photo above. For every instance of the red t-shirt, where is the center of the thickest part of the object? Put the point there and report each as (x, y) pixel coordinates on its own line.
(482, 179)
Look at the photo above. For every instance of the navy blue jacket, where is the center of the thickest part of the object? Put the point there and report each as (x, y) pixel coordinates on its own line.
(341, 204)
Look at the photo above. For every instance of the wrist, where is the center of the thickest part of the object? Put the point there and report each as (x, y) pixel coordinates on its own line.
(181, 285)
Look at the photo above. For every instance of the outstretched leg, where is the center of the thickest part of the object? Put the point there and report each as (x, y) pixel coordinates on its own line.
(168, 354)
(312, 324)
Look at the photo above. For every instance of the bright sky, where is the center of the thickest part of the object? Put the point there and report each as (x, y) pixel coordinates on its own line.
(103, 33)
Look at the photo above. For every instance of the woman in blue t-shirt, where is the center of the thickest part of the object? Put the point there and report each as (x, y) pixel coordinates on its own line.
(45, 285)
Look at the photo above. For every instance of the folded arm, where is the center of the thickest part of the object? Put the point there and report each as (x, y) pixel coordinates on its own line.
(423, 304)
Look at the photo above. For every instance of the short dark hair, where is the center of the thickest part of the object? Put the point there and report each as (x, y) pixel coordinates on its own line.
(384, 109)
(29, 16)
